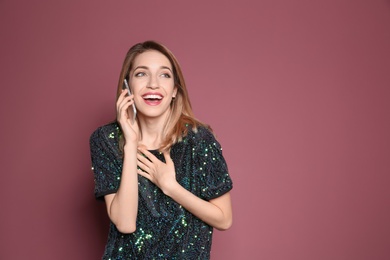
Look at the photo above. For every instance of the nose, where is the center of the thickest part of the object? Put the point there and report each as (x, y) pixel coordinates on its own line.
(153, 82)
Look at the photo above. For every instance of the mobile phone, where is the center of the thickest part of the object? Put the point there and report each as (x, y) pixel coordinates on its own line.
(129, 92)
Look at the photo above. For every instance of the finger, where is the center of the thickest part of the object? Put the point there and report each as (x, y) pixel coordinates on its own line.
(167, 156)
(141, 145)
(123, 108)
(148, 155)
(123, 116)
(144, 174)
(124, 101)
(142, 163)
(143, 159)
(121, 97)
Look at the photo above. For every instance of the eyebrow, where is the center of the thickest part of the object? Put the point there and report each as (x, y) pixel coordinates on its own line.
(147, 68)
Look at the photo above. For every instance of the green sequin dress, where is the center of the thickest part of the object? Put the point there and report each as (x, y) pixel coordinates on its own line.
(165, 230)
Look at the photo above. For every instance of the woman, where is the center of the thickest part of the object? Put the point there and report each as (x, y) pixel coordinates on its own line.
(162, 176)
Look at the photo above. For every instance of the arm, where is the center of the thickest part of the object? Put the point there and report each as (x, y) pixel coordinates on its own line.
(216, 212)
(122, 206)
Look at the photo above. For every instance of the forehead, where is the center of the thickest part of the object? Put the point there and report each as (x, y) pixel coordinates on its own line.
(151, 59)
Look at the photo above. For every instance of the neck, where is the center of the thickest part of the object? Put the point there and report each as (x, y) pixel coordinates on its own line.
(152, 132)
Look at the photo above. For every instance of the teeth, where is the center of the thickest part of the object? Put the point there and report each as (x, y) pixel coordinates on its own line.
(152, 97)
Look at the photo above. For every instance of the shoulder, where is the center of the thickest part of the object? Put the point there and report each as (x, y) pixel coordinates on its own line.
(199, 133)
(107, 131)
(201, 136)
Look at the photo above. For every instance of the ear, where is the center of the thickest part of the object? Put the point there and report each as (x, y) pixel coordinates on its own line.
(174, 92)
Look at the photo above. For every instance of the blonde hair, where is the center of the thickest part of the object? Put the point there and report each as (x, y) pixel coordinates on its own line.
(181, 115)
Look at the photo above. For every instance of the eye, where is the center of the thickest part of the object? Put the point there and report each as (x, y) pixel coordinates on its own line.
(166, 75)
(140, 74)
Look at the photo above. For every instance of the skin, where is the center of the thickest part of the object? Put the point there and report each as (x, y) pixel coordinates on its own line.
(152, 73)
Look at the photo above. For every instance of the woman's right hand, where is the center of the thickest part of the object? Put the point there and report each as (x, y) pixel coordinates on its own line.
(130, 129)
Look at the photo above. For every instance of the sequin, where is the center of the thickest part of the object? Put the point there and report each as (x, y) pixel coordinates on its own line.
(165, 230)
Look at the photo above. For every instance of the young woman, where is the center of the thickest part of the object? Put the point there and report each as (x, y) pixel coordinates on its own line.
(162, 176)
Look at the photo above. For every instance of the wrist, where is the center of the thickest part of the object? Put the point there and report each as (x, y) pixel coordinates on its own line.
(170, 190)
(130, 147)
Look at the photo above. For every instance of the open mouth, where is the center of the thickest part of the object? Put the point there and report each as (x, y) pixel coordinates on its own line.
(152, 99)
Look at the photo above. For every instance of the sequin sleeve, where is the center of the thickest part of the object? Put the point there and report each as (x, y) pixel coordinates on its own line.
(106, 162)
(211, 167)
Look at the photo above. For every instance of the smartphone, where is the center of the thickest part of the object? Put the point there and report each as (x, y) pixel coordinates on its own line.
(129, 92)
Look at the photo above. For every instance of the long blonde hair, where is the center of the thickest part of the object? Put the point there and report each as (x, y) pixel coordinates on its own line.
(181, 115)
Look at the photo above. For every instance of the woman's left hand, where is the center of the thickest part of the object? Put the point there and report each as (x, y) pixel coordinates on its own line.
(161, 174)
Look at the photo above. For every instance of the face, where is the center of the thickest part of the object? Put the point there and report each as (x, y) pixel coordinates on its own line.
(152, 82)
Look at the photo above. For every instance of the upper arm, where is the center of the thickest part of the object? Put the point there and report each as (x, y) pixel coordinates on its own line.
(108, 199)
(106, 161)
(225, 205)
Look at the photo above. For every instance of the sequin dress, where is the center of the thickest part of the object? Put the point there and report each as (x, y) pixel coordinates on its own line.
(165, 230)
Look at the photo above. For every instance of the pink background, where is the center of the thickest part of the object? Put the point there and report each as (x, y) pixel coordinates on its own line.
(296, 91)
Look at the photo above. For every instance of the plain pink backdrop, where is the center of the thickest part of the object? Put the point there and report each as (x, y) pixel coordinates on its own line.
(296, 91)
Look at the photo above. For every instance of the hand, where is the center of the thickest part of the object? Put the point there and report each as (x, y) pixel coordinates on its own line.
(124, 114)
(161, 174)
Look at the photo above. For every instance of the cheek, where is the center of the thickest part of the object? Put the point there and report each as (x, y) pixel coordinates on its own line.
(170, 86)
(136, 87)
